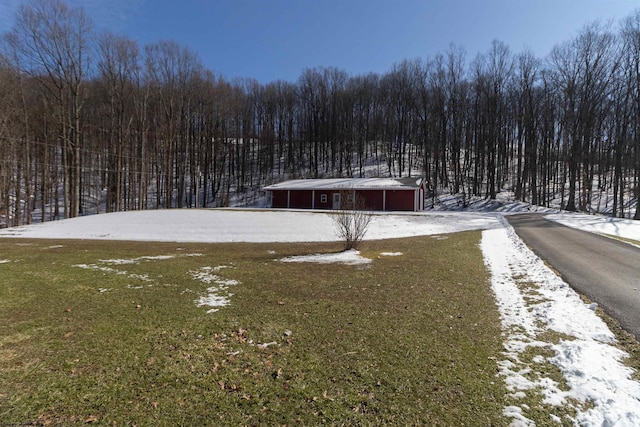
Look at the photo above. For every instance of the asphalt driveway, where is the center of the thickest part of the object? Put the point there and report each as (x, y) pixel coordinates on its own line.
(604, 269)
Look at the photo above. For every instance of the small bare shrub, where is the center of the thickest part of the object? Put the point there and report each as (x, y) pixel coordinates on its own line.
(351, 221)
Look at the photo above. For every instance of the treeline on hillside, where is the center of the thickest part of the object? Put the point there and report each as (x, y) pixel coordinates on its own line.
(92, 121)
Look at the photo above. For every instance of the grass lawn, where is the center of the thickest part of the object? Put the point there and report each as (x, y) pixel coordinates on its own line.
(110, 333)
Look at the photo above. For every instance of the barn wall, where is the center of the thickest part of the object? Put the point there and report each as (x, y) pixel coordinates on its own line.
(318, 199)
(301, 199)
(372, 199)
(279, 199)
(400, 200)
(394, 200)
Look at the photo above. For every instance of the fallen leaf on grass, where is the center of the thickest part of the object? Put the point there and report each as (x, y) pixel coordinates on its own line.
(241, 335)
(325, 394)
(277, 374)
(230, 387)
(43, 420)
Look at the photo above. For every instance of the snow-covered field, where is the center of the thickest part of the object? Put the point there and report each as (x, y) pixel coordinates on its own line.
(243, 225)
(531, 298)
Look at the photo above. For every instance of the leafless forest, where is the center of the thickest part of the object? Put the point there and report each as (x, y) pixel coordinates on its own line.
(92, 122)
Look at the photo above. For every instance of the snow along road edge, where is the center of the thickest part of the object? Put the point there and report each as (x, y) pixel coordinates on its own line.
(532, 300)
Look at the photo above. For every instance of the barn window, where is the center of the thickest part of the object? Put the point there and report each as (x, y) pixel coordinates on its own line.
(323, 198)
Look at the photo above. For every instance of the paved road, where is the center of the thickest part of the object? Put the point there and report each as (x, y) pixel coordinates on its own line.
(605, 270)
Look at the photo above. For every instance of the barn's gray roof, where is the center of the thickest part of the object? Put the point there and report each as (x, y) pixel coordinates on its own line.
(348, 184)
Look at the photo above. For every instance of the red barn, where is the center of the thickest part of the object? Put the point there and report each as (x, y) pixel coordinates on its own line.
(379, 194)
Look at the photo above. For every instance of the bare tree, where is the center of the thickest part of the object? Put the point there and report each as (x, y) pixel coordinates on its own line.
(54, 41)
(119, 124)
(526, 77)
(118, 64)
(631, 50)
(583, 69)
(351, 220)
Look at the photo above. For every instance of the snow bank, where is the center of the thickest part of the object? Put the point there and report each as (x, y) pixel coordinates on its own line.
(532, 300)
(625, 228)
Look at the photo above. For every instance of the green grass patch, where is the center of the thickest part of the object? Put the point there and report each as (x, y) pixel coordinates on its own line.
(87, 335)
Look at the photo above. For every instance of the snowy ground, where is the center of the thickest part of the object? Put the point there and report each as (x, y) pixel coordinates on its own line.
(625, 228)
(243, 225)
(532, 300)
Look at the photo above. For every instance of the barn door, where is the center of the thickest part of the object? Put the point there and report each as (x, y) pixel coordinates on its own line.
(336, 201)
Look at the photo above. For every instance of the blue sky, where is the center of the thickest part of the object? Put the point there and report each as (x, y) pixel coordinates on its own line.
(276, 39)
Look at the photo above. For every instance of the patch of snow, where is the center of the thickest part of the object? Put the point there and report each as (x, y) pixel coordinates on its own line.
(143, 277)
(157, 257)
(5, 261)
(104, 269)
(136, 260)
(218, 295)
(350, 257)
(390, 253)
(267, 344)
(213, 299)
(118, 261)
(519, 420)
(205, 275)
